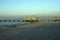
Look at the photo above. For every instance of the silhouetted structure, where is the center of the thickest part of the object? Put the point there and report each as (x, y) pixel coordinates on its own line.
(31, 19)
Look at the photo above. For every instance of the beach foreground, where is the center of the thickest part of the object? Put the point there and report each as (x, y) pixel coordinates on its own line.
(34, 31)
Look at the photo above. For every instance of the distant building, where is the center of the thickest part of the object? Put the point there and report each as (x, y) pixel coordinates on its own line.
(31, 19)
(56, 19)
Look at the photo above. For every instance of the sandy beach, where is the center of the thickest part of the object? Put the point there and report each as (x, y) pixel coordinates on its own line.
(34, 31)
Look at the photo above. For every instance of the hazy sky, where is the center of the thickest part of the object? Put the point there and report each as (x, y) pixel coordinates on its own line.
(29, 7)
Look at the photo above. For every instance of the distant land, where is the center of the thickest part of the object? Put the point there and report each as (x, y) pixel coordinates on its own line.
(19, 17)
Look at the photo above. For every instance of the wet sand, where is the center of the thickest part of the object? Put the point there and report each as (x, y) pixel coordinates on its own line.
(34, 31)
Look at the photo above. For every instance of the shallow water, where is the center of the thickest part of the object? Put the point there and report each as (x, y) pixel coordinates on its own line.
(12, 23)
(44, 32)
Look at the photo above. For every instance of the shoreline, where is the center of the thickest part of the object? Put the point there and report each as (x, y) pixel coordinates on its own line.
(31, 25)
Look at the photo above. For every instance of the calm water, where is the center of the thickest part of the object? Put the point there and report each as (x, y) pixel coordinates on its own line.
(12, 23)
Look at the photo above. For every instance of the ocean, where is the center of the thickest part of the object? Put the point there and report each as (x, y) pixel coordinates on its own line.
(13, 23)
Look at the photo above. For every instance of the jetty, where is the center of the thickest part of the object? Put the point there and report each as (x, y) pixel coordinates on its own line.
(27, 20)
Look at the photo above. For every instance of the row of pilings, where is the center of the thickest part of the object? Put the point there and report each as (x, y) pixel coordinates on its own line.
(28, 19)
(40, 20)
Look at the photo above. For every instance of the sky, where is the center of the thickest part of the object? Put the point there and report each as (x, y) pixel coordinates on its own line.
(29, 7)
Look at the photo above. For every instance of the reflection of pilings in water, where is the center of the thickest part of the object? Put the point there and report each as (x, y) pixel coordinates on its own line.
(0, 20)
